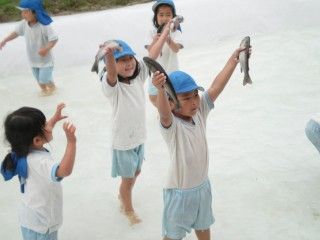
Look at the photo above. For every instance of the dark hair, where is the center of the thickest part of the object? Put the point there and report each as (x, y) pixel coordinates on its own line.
(134, 75)
(154, 19)
(21, 126)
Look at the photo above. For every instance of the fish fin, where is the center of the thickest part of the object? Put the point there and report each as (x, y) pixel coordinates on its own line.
(95, 67)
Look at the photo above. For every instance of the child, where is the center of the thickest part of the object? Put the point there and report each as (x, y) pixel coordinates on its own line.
(166, 44)
(27, 130)
(313, 131)
(124, 87)
(187, 194)
(40, 39)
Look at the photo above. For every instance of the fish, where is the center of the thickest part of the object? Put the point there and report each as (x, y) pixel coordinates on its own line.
(154, 66)
(176, 22)
(102, 52)
(244, 60)
(160, 28)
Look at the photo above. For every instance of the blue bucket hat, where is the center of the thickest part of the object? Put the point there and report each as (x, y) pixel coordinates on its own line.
(163, 2)
(37, 6)
(183, 83)
(126, 50)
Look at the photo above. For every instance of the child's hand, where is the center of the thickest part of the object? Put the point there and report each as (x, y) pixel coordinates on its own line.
(70, 130)
(58, 114)
(238, 51)
(158, 80)
(43, 52)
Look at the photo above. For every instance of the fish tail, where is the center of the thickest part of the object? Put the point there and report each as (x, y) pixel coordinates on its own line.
(247, 79)
(95, 67)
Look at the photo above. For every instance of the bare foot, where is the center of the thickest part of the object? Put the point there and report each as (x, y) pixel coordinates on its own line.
(132, 217)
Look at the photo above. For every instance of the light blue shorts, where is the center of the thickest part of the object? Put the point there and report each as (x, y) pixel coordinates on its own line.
(152, 90)
(43, 75)
(127, 163)
(29, 234)
(313, 133)
(185, 209)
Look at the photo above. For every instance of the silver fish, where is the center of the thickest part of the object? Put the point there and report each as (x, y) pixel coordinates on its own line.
(102, 52)
(176, 22)
(154, 66)
(244, 60)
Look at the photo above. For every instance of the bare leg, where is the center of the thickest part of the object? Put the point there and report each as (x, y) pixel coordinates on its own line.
(125, 196)
(203, 234)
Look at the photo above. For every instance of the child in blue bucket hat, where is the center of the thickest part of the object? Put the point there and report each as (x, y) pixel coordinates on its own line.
(187, 193)
(164, 41)
(124, 87)
(40, 38)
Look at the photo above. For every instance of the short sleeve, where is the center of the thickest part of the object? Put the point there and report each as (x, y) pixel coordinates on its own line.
(206, 104)
(54, 176)
(19, 29)
(170, 132)
(108, 90)
(51, 34)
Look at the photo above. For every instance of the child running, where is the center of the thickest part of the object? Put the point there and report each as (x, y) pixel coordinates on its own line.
(124, 87)
(187, 194)
(166, 43)
(27, 130)
(40, 38)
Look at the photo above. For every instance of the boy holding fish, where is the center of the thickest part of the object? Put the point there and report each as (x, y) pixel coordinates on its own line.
(187, 193)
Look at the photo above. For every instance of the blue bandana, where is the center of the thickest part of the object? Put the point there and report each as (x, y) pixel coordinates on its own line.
(19, 168)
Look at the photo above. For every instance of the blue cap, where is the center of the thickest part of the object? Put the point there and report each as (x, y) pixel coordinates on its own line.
(183, 83)
(36, 5)
(126, 50)
(163, 2)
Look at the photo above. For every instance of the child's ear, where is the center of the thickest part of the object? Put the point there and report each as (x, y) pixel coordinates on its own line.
(37, 141)
(172, 105)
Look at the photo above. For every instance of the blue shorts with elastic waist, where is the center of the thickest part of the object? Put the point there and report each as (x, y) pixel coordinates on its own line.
(186, 209)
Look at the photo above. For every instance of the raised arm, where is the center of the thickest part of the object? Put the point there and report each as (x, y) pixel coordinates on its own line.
(156, 47)
(163, 104)
(67, 162)
(111, 68)
(223, 77)
(10, 37)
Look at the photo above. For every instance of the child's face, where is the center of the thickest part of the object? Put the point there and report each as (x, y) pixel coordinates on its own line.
(28, 15)
(164, 14)
(126, 66)
(189, 104)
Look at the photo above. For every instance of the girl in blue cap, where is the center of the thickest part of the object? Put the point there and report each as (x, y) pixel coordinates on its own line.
(124, 87)
(166, 43)
(27, 130)
(40, 38)
(187, 193)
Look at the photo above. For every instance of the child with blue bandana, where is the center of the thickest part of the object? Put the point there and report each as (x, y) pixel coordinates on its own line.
(187, 193)
(27, 131)
(165, 43)
(40, 38)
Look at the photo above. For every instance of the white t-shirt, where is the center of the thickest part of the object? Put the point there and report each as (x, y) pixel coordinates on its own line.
(37, 36)
(188, 148)
(41, 207)
(128, 110)
(168, 58)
